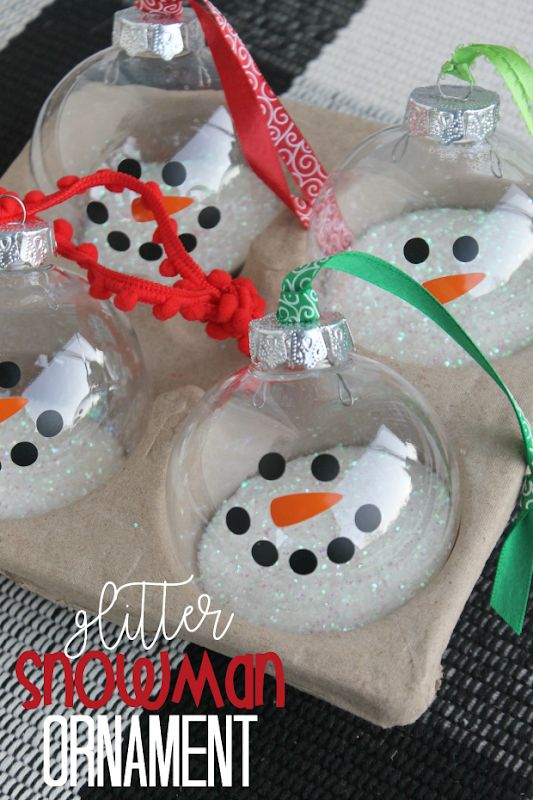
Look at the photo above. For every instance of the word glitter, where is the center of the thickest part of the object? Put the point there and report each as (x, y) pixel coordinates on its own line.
(136, 595)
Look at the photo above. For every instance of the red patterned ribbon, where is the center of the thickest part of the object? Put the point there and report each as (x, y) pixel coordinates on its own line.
(168, 8)
(267, 133)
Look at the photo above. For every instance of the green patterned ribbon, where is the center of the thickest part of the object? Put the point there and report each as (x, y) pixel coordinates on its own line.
(298, 303)
(515, 70)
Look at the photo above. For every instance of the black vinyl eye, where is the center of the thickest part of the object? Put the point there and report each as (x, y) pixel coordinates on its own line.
(303, 562)
(341, 550)
(24, 454)
(151, 251)
(238, 520)
(465, 248)
(325, 467)
(265, 553)
(272, 466)
(174, 173)
(368, 518)
(118, 241)
(9, 374)
(130, 166)
(209, 217)
(416, 250)
(49, 423)
(97, 212)
(189, 241)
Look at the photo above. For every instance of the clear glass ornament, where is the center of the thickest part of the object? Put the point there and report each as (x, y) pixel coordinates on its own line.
(313, 490)
(73, 389)
(152, 106)
(448, 199)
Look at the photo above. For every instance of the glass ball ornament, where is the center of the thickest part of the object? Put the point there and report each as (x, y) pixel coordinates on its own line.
(313, 490)
(152, 106)
(447, 198)
(73, 390)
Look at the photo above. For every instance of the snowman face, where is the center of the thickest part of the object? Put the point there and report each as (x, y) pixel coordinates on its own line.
(328, 541)
(478, 263)
(219, 204)
(48, 423)
(52, 447)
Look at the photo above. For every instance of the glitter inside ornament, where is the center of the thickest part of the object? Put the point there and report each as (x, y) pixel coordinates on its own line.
(312, 493)
(72, 383)
(450, 204)
(159, 115)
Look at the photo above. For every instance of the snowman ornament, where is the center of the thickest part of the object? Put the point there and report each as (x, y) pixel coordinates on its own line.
(319, 482)
(447, 198)
(73, 390)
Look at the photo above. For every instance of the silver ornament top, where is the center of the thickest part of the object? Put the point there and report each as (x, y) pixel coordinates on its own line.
(302, 346)
(26, 246)
(142, 34)
(452, 113)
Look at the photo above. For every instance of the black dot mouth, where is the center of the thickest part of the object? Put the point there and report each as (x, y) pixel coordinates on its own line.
(189, 241)
(303, 562)
(119, 241)
(97, 212)
(209, 217)
(24, 454)
(150, 251)
(264, 553)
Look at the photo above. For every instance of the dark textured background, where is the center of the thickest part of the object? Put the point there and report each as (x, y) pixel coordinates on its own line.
(475, 741)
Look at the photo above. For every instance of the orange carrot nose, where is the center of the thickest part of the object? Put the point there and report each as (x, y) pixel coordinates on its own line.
(293, 508)
(142, 213)
(450, 287)
(11, 406)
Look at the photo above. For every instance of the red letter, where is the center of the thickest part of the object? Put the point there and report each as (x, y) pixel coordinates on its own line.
(261, 661)
(50, 660)
(35, 700)
(109, 679)
(155, 705)
(248, 663)
(196, 684)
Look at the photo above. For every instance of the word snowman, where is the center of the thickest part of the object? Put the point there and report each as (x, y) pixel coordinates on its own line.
(220, 206)
(329, 541)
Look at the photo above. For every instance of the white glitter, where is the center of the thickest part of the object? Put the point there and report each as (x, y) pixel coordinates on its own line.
(389, 564)
(497, 312)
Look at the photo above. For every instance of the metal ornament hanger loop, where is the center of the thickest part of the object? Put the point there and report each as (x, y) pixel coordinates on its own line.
(446, 96)
(21, 204)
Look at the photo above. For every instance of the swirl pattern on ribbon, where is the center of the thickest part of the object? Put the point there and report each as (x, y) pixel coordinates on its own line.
(294, 151)
(169, 8)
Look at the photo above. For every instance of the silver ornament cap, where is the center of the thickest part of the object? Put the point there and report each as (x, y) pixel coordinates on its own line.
(302, 346)
(26, 246)
(452, 114)
(142, 34)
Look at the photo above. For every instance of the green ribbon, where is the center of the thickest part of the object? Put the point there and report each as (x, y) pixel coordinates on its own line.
(515, 70)
(298, 304)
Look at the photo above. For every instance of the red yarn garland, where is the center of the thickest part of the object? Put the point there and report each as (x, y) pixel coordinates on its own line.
(224, 304)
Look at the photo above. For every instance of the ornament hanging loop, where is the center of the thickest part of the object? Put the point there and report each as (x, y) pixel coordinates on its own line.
(443, 94)
(6, 195)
